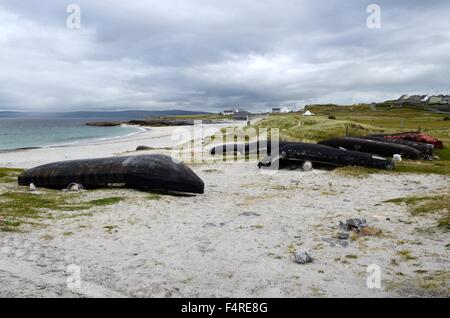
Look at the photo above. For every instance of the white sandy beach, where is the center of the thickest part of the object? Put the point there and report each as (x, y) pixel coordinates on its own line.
(236, 240)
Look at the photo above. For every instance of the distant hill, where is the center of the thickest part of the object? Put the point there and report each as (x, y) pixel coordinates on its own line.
(123, 115)
(6, 114)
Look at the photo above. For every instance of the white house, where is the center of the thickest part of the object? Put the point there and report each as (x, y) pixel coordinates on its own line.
(284, 110)
(308, 113)
(230, 111)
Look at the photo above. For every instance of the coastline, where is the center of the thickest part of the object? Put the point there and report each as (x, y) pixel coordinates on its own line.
(155, 137)
(80, 141)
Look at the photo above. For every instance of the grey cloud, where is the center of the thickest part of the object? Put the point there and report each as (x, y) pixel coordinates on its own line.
(208, 55)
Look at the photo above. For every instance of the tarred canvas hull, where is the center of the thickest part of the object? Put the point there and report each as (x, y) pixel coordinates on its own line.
(147, 171)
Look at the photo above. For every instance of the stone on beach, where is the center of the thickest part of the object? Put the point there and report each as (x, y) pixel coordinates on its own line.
(303, 257)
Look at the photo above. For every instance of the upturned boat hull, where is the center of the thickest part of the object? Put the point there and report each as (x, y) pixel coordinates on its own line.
(415, 136)
(375, 147)
(327, 156)
(425, 149)
(146, 171)
(259, 147)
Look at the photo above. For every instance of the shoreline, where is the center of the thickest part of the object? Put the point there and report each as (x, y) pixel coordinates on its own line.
(81, 141)
(159, 138)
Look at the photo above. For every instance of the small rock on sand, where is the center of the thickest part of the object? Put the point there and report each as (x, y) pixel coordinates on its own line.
(250, 214)
(303, 257)
(336, 242)
(353, 224)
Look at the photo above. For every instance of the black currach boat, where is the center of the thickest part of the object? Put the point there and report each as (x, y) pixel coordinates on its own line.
(375, 147)
(157, 172)
(325, 156)
(427, 150)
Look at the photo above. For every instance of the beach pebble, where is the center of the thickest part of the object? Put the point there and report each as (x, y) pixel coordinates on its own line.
(343, 236)
(352, 224)
(303, 257)
(336, 242)
(344, 226)
(356, 223)
(250, 214)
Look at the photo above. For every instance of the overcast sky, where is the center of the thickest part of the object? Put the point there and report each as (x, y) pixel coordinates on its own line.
(214, 54)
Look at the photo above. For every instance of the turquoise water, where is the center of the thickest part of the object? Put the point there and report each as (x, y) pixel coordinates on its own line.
(38, 132)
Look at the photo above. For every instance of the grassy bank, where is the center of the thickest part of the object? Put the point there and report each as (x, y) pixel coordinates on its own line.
(21, 209)
(336, 121)
(438, 205)
(200, 117)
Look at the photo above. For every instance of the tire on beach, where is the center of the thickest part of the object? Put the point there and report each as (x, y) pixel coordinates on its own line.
(156, 172)
(375, 147)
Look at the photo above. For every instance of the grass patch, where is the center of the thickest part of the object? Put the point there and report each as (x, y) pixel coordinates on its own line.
(356, 172)
(257, 226)
(105, 201)
(212, 171)
(300, 128)
(17, 208)
(421, 205)
(422, 284)
(9, 175)
(154, 196)
(110, 229)
(423, 167)
(406, 255)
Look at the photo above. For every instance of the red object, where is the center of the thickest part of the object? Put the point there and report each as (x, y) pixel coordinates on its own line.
(417, 137)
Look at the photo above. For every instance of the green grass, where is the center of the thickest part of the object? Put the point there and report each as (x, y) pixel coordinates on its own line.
(406, 255)
(299, 128)
(105, 201)
(9, 175)
(154, 196)
(357, 172)
(17, 208)
(421, 205)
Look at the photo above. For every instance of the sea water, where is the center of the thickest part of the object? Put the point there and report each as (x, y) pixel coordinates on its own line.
(40, 132)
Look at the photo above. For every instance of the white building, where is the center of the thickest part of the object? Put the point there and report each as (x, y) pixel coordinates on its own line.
(230, 111)
(284, 110)
(308, 113)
